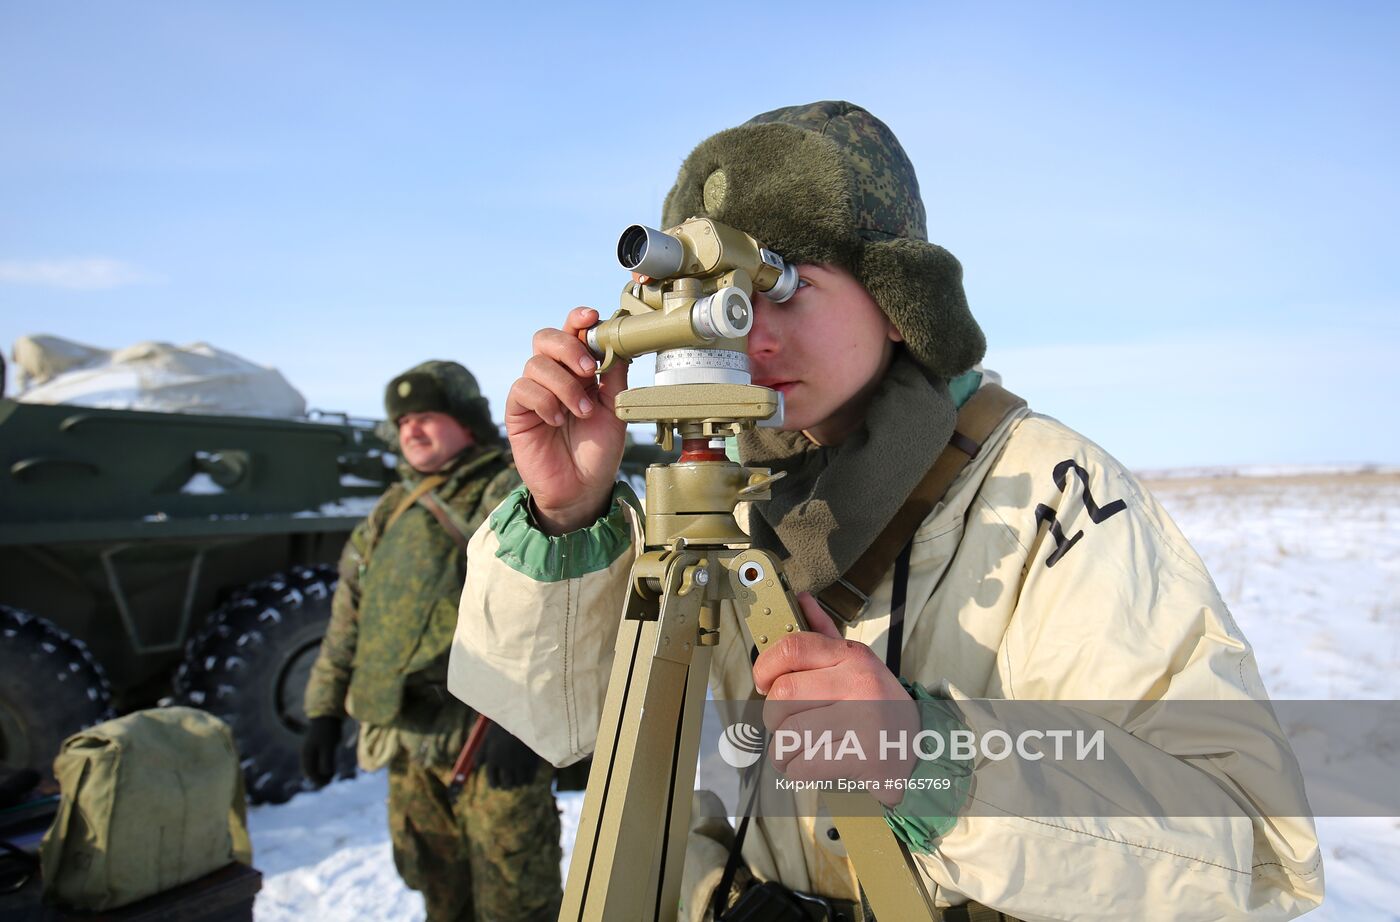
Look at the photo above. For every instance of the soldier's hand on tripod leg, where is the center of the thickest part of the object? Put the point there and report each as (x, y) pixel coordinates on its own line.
(508, 763)
(566, 441)
(318, 748)
(818, 682)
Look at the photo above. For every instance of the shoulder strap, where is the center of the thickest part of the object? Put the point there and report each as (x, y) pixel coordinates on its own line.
(487, 469)
(719, 897)
(405, 504)
(894, 646)
(417, 493)
(979, 417)
(430, 502)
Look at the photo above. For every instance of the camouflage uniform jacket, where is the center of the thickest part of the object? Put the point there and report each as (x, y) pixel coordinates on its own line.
(384, 656)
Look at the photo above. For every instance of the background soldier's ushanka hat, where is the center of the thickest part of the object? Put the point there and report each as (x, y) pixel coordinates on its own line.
(829, 183)
(442, 387)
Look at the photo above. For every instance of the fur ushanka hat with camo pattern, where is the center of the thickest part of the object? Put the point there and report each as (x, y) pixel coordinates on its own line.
(829, 183)
(439, 386)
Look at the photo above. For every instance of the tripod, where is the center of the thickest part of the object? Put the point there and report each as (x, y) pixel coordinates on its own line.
(630, 849)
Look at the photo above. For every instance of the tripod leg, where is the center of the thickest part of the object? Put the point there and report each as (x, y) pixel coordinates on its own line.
(677, 826)
(615, 872)
(581, 864)
(886, 870)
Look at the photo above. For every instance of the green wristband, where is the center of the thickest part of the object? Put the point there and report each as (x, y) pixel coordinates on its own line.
(548, 558)
(938, 787)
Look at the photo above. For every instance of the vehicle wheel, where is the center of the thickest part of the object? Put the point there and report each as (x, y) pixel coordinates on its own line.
(50, 687)
(249, 667)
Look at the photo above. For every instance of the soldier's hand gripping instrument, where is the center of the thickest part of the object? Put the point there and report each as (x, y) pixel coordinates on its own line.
(692, 307)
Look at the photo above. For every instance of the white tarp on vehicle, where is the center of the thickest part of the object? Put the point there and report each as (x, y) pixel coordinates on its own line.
(197, 378)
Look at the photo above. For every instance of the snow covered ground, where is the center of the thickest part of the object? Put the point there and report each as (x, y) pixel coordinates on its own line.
(1310, 565)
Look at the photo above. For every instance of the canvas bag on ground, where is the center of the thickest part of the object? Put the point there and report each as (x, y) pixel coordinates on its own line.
(150, 801)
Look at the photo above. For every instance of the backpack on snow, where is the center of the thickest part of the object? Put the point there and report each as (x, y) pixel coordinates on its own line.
(149, 801)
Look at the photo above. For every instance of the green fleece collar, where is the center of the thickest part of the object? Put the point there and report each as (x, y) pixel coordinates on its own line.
(835, 500)
(961, 388)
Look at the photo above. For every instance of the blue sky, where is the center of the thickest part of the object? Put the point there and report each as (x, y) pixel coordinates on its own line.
(1177, 222)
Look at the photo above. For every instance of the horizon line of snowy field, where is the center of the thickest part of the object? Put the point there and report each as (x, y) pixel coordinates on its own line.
(1307, 558)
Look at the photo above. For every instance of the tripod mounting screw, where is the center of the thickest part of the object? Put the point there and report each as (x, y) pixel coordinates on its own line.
(690, 578)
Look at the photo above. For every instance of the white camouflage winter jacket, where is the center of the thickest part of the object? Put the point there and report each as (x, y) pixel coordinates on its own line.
(1127, 613)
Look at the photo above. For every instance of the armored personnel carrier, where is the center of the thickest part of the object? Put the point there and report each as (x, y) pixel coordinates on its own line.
(147, 555)
(150, 554)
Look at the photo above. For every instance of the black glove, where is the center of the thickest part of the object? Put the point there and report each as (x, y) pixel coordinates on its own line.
(508, 763)
(318, 748)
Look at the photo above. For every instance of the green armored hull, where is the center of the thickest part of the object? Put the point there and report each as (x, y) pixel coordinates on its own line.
(153, 555)
(122, 531)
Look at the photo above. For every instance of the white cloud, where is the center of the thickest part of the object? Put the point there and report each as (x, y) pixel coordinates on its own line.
(78, 274)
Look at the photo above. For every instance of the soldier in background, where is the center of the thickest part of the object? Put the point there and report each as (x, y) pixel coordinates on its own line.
(493, 853)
